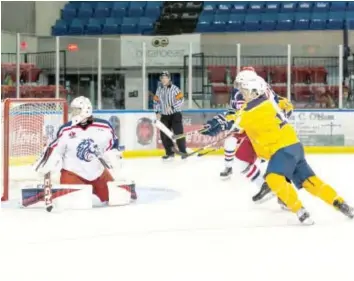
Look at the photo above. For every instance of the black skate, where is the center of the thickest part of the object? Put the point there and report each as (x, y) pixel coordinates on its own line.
(264, 194)
(168, 157)
(304, 217)
(344, 208)
(226, 173)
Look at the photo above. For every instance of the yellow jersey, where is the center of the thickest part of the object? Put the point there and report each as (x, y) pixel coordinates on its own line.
(266, 127)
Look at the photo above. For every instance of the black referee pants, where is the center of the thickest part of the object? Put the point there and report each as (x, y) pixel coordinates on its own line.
(174, 123)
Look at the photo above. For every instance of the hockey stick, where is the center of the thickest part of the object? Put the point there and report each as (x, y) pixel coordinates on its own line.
(191, 133)
(48, 192)
(158, 124)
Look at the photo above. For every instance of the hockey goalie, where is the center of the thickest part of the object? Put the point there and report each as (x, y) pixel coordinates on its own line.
(88, 150)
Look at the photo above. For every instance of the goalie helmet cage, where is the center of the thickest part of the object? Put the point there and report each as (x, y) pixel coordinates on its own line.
(28, 125)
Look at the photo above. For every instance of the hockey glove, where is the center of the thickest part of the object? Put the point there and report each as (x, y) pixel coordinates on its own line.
(217, 125)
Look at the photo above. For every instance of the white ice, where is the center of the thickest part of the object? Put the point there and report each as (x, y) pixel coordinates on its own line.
(210, 231)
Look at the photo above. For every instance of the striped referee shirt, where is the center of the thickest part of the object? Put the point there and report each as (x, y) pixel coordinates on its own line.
(168, 99)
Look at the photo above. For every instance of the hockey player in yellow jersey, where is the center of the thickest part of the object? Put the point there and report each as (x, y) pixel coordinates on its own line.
(274, 139)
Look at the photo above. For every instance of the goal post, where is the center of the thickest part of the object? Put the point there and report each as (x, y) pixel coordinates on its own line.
(28, 126)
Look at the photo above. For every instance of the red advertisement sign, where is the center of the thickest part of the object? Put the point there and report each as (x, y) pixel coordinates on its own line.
(196, 140)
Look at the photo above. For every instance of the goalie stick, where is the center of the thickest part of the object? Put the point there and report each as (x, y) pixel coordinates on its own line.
(48, 192)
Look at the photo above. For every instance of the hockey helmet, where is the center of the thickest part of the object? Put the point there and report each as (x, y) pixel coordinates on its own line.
(243, 76)
(251, 89)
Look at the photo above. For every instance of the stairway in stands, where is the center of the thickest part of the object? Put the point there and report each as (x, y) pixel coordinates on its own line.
(178, 17)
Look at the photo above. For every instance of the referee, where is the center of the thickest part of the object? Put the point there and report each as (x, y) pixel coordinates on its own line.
(168, 103)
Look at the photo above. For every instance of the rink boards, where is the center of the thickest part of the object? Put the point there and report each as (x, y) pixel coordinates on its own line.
(321, 131)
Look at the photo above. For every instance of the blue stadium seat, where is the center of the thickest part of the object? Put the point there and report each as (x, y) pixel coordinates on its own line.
(76, 27)
(69, 12)
(204, 22)
(338, 6)
(209, 8)
(84, 11)
(321, 7)
(304, 7)
(335, 20)
(288, 7)
(129, 25)
(349, 19)
(93, 27)
(111, 26)
(152, 9)
(223, 9)
(219, 22)
(146, 25)
(285, 21)
(302, 21)
(235, 23)
(136, 8)
(318, 21)
(103, 10)
(60, 28)
(75, 4)
(350, 6)
(119, 9)
(268, 21)
(272, 7)
(239, 7)
(255, 7)
(252, 22)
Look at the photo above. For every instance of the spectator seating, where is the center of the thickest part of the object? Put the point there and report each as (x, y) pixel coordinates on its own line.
(306, 81)
(96, 17)
(269, 16)
(28, 91)
(29, 79)
(29, 73)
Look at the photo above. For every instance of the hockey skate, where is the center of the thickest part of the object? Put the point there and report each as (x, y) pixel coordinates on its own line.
(168, 157)
(226, 173)
(304, 217)
(344, 208)
(264, 194)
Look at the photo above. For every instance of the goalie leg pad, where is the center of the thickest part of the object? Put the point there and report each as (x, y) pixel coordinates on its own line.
(121, 193)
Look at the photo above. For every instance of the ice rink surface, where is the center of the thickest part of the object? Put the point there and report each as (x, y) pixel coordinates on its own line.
(187, 225)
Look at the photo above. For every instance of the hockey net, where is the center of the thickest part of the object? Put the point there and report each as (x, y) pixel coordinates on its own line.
(27, 127)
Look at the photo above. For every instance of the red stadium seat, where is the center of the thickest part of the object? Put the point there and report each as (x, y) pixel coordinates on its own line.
(300, 74)
(318, 74)
(217, 73)
(278, 74)
(221, 94)
(280, 90)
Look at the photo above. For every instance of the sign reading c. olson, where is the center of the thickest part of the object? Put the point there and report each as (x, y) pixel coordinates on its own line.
(159, 50)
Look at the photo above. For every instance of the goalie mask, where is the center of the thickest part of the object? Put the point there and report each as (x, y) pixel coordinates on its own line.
(244, 76)
(251, 89)
(80, 110)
